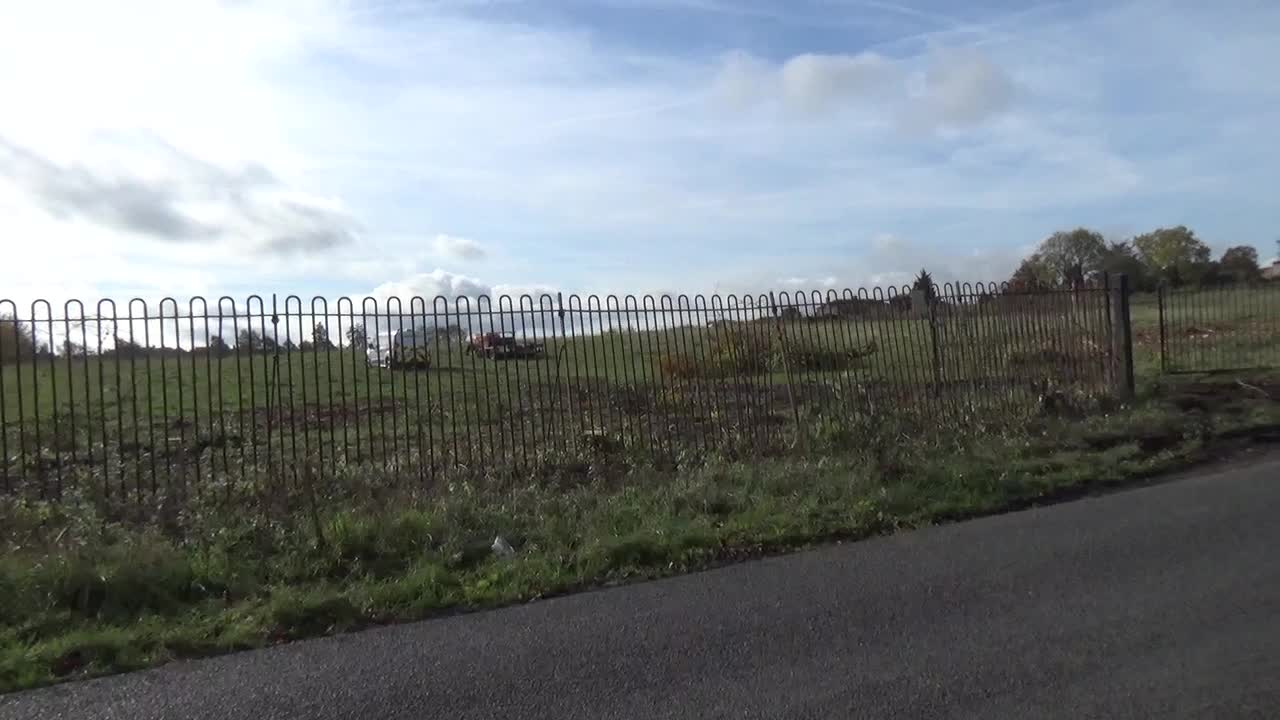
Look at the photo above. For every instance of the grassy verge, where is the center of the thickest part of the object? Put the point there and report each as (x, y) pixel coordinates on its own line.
(88, 589)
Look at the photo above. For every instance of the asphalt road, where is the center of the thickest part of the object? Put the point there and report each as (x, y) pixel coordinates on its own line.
(1162, 602)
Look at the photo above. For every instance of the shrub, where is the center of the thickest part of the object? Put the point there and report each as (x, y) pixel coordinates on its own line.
(742, 351)
(16, 340)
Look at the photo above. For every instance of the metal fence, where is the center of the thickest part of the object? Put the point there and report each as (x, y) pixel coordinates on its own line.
(1226, 327)
(139, 397)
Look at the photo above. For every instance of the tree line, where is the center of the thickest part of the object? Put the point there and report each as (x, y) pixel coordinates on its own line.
(18, 342)
(1172, 257)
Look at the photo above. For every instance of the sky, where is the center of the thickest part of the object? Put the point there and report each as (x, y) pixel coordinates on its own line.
(157, 148)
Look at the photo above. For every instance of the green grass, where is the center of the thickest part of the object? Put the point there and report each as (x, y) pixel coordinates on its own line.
(90, 585)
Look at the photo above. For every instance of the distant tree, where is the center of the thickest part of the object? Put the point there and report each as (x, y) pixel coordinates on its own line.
(16, 340)
(1033, 272)
(357, 337)
(1240, 264)
(251, 341)
(1122, 257)
(320, 337)
(71, 348)
(124, 346)
(289, 345)
(924, 283)
(1173, 255)
(218, 346)
(1072, 255)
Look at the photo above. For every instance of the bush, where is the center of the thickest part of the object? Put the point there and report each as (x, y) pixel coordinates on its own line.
(16, 340)
(741, 351)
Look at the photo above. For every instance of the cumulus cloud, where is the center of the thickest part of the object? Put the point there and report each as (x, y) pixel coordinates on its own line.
(958, 87)
(458, 248)
(179, 199)
(807, 83)
(815, 83)
(430, 285)
(962, 88)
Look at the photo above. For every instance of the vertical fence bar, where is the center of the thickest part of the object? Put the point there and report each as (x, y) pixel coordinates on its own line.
(417, 318)
(145, 349)
(69, 351)
(9, 328)
(1164, 334)
(350, 393)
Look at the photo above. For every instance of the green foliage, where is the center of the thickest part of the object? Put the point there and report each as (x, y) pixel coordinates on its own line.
(89, 587)
(1070, 257)
(320, 337)
(1240, 264)
(218, 347)
(924, 283)
(249, 340)
(1033, 272)
(357, 337)
(753, 348)
(1173, 255)
(1122, 258)
(16, 339)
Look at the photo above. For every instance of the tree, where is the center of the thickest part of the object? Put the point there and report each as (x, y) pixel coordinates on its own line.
(357, 337)
(924, 283)
(1072, 255)
(17, 341)
(1240, 264)
(1122, 257)
(218, 346)
(1173, 255)
(251, 341)
(1032, 273)
(71, 348)
(320, 337)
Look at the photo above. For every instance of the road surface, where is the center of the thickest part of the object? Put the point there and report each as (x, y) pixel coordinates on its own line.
(1161, 602)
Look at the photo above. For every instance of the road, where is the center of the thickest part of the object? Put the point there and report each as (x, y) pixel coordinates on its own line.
(1160, 602)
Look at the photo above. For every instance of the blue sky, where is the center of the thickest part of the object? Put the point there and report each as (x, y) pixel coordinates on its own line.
(338, 147)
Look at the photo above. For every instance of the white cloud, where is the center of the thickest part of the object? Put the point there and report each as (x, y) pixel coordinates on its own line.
(956, 87)
(561, 145)
(430, 285)
(458, 248)
(814, 83)
(152, 190)
(962, 87)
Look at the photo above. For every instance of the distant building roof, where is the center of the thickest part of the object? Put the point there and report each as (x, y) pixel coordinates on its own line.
(1273, 272)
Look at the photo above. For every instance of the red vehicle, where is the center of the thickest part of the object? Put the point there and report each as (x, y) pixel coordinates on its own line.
(502, 346)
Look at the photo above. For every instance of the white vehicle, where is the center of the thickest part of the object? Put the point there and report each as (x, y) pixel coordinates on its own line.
(407, 349)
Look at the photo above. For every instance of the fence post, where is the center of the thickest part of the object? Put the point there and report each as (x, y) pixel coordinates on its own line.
(1121, 337)
(928, 300)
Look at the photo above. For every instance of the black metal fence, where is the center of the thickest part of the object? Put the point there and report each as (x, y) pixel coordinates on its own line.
(1226, 327)
(140, 397)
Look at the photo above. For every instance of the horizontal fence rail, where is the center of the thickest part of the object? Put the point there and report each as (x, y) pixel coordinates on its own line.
(136, 398)
(1227, 327)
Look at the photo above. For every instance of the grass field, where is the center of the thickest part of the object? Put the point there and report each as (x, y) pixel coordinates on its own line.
(92, 585)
